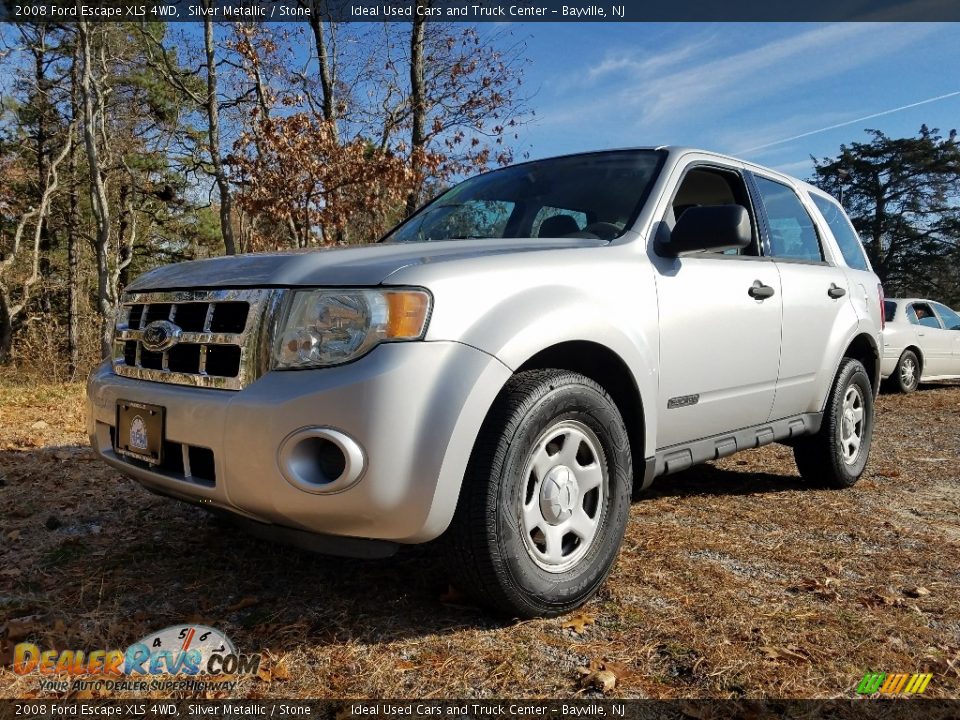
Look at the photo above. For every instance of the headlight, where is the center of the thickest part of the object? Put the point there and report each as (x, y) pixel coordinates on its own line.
(329, 327)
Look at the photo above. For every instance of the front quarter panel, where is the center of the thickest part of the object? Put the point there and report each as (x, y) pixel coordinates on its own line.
(513, 307)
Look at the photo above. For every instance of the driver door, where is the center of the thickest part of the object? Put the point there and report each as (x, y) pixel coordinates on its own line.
(719, 344)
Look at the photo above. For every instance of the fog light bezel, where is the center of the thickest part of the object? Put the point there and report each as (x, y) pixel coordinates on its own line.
(289, 457)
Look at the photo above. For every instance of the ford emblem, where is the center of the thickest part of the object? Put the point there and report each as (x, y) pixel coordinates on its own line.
(160, 335)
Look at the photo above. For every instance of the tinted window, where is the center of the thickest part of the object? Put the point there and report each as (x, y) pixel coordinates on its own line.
(792, 233)
(922, 314)
(606, 188)
(951, 320)
(889, 310)
(843, 232)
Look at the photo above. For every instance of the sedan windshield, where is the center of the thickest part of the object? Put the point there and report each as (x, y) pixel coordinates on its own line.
(597, 195)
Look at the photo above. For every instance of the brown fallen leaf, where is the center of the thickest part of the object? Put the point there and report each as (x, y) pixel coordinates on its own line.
(578, 623)
(280, 672)
(13, 535)
(243, 603)
(600, 675)
(265, 674)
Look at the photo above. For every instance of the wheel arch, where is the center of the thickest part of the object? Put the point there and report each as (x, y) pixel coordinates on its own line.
(611, 372)
(915, 349)
(863, 347)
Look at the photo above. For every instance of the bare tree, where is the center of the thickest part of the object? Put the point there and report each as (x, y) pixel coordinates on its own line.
(11, 308)
(213, 135)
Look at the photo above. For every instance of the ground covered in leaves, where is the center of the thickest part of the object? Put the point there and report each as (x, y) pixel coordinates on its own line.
(735, 579)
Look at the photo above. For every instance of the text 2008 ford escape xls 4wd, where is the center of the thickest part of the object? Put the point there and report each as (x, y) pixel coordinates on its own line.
(505, 366)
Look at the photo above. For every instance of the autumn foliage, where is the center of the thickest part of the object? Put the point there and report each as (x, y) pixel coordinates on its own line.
(295, 175)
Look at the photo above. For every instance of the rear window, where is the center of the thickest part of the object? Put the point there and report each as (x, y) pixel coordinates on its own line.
(889, 310)
(793, 235)
(843, 233)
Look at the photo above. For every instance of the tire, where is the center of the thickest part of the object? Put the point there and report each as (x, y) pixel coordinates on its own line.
(545, 498)
(837, 455)
(906, 377)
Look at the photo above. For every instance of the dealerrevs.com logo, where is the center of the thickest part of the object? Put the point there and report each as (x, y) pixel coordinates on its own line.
(158, 661)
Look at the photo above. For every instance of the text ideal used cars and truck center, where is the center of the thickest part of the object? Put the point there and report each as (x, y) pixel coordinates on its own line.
(505, 367)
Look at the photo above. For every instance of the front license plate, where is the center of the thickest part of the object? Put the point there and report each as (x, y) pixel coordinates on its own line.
(140, 431)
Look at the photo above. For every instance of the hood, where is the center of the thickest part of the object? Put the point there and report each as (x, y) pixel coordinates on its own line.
(360, 265)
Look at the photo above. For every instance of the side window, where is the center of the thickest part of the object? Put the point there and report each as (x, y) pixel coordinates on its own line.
(922, 314)
(951, 320)
(843, 232)
(792, 232)
(557, 222)
(889, 310)
(706, 186)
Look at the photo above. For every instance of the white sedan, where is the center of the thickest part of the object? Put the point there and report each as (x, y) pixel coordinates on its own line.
(921, 342)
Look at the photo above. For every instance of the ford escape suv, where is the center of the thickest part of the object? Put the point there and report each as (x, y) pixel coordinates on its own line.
(505, 367)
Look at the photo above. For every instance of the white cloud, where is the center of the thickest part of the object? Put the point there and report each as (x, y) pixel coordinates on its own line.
(721, 84)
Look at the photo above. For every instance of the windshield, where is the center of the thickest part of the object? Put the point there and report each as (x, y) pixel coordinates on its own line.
(597, 195)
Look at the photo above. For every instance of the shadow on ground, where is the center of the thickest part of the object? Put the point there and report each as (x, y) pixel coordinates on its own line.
(133, 562)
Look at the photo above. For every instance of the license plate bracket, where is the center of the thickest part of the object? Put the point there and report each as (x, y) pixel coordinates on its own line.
(140, 431)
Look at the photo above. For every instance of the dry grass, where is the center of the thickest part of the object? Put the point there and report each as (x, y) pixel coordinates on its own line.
(735, 579)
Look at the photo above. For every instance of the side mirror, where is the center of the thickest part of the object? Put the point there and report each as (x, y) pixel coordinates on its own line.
(709, 227)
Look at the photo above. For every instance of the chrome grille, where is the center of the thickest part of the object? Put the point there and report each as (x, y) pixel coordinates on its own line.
(220, 337)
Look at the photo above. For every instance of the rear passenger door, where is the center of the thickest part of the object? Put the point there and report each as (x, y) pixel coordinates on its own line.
(719, 344)
(936, 343)
(951, 321)
(815, 295)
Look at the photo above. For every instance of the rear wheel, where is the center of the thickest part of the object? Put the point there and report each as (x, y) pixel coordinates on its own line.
(545, 498)
(906, 378)
(838, 453)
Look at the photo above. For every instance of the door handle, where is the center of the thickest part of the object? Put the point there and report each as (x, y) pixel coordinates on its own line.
(759, 291)
(836, 292)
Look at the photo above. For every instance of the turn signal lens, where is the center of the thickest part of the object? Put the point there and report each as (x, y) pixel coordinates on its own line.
(408, 311)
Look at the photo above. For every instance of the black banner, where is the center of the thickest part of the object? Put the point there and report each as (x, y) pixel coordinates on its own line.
(476, 11)
(913, 709)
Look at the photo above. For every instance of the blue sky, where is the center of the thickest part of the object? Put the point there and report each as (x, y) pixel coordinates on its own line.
(736, 87)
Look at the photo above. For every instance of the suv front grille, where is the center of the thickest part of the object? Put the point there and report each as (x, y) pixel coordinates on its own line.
(216, 334)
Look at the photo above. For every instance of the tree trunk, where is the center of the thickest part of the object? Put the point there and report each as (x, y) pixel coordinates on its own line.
(73, 251)
(98, 196)
(213, 121)
(125, 249)
(417, 101)
(43, 87)
(327, 79)
(6, 330)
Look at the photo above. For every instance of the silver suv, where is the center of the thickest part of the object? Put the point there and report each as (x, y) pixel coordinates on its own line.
(505, 367)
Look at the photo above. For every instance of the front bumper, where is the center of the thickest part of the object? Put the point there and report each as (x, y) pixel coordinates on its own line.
(414, 408)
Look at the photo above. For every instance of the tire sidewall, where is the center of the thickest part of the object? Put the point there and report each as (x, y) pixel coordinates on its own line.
(853, 374)
(916, 380)
(548, 592)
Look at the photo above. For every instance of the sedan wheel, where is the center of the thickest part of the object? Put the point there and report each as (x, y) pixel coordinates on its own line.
(908, 372)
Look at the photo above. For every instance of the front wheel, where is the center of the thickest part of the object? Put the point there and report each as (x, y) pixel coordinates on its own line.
(545, 498)
(837, 455)
(907, 374)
